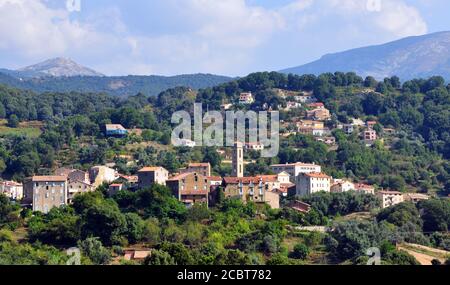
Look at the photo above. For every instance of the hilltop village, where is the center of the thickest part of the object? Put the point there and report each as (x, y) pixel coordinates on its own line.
(353, 152)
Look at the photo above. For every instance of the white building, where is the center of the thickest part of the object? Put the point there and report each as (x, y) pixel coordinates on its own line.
(292, 105)
(306, 99)
(186, 143)
(246, 98)
(294, 169)
(215, 180)
(12, 190)
(322, 132)
(416, 197)
(75, 187)
(342, 186)
(311, 183)
(390, 198)
(284, 178)
(366, 189)
(254, 146)
(102, 174)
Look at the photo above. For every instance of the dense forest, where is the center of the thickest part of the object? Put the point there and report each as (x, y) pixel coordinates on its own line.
(71, 133)
(118, 85)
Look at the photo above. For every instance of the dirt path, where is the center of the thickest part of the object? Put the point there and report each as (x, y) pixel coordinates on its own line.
(423, 254)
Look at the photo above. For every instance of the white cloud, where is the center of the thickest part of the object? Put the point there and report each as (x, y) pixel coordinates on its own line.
(400, 19)
(213, 36)
(391, 16)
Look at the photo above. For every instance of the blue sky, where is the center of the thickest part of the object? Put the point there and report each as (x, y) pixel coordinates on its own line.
(230, 37)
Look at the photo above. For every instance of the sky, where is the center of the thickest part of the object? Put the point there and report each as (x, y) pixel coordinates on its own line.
(227, 37)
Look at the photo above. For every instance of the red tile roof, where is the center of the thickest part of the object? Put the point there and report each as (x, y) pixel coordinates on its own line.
(215, 178)
(49, 179)
(317, 175)
(390, 193)
(300, 206)
(199, 164)
(295, 164)
(184, 175)
(248, 180)
(151, 169)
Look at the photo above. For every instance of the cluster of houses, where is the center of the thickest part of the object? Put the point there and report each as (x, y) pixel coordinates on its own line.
(195, 184)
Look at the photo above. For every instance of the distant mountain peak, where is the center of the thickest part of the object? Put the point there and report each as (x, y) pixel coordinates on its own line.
(59, 67)
(411, 57)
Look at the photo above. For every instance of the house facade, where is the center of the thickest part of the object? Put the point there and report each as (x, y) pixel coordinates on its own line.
(364, 188)
(75, 187)
(115, 188)
(248, 189)
(254, 146)
(370, 135)
(246, 98)
(202, 168)
(12, 190)
(73, 174)
(295, 169)
(390, 198)
(45, 192)
(148, 176)
(190, 188)
(342, 186)
(101, 174)
(319, 114)
(115, 130)
(310, 183)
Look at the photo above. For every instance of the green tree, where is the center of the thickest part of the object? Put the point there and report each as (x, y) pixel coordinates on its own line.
(159, 257)
(301, 251)
(95, 251)
(13, 121)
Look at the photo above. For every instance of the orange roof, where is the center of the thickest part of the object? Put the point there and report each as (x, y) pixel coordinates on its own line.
(183, 175)
(10, 183)
(390, 193)
(199, 164)
(317, 175)
(316, 104)
(248, 180)
(49, 179)
(151, 169)
(363, 186)
(300, 206)
(295, 164)
(116, 185)
(215, 178)
(129, 178)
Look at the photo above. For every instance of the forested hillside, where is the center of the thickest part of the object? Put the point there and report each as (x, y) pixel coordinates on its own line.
(70, 132)
(118, 86)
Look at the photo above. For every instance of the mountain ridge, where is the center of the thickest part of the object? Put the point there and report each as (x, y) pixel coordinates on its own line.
(411, 57)
(58, 67)
(122, 86)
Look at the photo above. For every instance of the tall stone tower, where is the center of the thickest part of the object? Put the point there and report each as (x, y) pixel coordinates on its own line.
(238, 160)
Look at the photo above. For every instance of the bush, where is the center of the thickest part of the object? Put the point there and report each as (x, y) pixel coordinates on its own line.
(301, 251)
(159, 257)
(13, 121)
(6, 235)
(95, 251)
